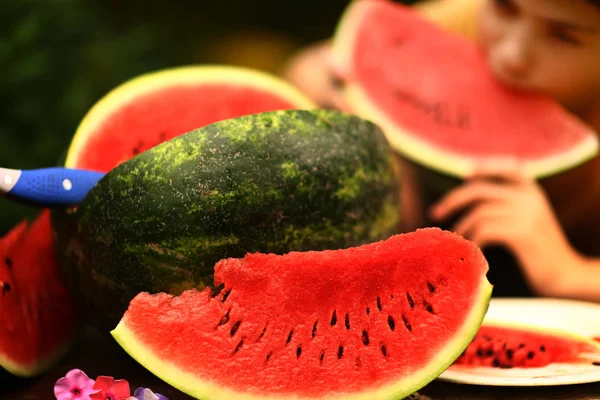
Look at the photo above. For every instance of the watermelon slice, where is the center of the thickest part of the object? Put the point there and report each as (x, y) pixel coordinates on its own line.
(159, 106)
(503, 345)
(439, 104)
(37, 321)
(377, 321)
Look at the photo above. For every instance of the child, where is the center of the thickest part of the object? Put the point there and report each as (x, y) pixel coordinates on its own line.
(550, 46)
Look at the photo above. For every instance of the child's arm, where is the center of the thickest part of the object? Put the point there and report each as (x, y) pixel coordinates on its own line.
(582, 282)
(502, 207)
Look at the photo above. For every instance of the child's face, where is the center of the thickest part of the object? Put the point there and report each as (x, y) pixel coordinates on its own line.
(551, 46)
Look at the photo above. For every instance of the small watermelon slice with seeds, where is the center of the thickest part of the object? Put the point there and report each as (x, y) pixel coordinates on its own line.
(37, 319)
(378, 321)
(501, 344)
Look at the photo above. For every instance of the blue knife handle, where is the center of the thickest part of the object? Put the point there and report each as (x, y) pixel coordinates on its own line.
(49, 187)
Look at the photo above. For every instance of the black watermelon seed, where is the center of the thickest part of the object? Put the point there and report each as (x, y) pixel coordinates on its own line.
(406, 323)
(365, 338)
(314, 330)
(216, 290)
(391, 322)
(384, 350)
(530, 355)
(379, 304)
(239, 346)
(509, 354)
(430, 287)
(235, 327)
(333, 318)
(289, 338)
(428, 307)
(226, 295)
(489, 353)
(411, 303)
(542, 348)
(8, 261)
(298, 352)
(479, 352)
(496, 362)
(263, 333)
(340, 353)
(224, 319)
(347, 321)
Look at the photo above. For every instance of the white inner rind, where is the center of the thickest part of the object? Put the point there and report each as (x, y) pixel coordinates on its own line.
(156, 81)
(196, 387)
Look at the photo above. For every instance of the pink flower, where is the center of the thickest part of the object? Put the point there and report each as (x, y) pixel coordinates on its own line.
(111, 389)
(75, 386)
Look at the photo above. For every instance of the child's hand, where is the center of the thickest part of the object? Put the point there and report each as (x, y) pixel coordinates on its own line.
(503, 207)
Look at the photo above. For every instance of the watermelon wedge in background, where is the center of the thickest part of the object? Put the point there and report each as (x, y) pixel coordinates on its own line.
(158, 106)
(438, 103)
(378, 321)
(37, 318)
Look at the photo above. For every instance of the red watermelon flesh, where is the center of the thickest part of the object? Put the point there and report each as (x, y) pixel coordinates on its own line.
(510, 347)
(151, 109)
(376, 321)
(37, 320)
(435, 96)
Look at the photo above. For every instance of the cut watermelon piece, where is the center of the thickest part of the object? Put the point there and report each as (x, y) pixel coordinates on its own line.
(503, 345)
(439, 104)
(37, 320)
(159, 106)
(377, 321)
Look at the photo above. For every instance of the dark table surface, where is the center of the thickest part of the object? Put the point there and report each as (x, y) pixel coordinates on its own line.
(98, 355)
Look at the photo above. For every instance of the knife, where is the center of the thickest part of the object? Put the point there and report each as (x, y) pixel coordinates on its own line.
(48, 187)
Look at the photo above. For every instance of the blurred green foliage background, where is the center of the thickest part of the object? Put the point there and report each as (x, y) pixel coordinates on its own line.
(58, 57)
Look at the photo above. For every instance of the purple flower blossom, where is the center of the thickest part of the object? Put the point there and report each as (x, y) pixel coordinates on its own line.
(146, 394)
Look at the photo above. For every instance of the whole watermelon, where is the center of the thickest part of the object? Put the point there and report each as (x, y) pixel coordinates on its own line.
(270, 182)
